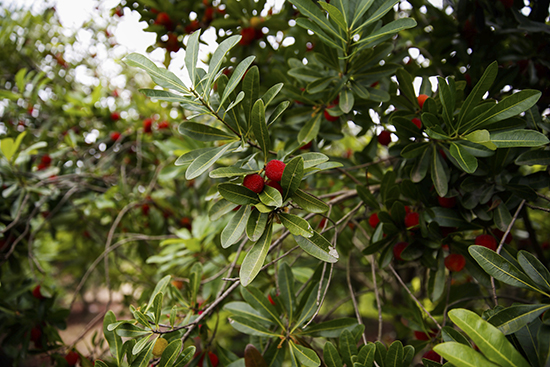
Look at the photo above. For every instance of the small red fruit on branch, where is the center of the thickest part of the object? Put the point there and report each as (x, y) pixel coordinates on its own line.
(398, 249)
(432, 356)
(419, 335)
(274, 170)
(248, 35)
(213, 359)
(147, 124)
(328, 116)
(447, 202)
(412, 219)
(36, 292)
(486, 240)
(254, 182)
(384, 138)
(36, 334)
(164, 125)
(373, 220)
(164, 20)
(455, 262)
(275, 185)
(115, 116)
(72, 358)
(115, 135)
(417, 122)
(421, 99)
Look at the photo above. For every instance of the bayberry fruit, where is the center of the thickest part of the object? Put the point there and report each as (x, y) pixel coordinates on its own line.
(36, 292)
(72, 357)
(213, 359)
(384, 138)
(328, 116)
(159, 347)
(115, 135)
(373, 220)
(145, 209)
(275, 185)
(417, 122)
(274, 170)
(455, 262)
(254, 182)
(248, 35)
(115, 116)
(398, 249)
(46, 160)
(412, 219)
(164, 125)
(421, 99)
(147, 123)
(447, 202)
(432, 356)
(420, 335)
(486, 240)
(36, 334)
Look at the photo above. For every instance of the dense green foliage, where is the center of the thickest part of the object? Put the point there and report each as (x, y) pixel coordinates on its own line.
(294, 199)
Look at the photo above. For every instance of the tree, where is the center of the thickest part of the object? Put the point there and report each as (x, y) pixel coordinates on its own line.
(310, 200)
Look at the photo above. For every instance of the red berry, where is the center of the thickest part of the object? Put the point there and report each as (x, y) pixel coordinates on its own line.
(115, 116)
(118, 12)
(172, 44)
(447, 202)
(254, 182)
(192, 27)
(147, 123)
(41, 166)
(274, 170)
(373, 220)
(36, 292)
(46, 160)
(486, 240)
(275, 185)
(421, 99)
(306, 147)
(417, 122)
(145, 209)
(115, 135)
(186, 223)
(248, 35)
(455, 262)
(419, 335)
(384, 138)
(270, 299)
(328, 116)
(164, 125)
(36, 334)
(398, 249)
(71, 358)
(213, 359)
(411, 219)
(164, 20)
(432, 356)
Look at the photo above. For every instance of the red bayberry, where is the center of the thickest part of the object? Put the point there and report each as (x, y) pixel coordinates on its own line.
(306, 147)
(115, 135)
(254, 182)
(145, 209)
(419, 335)
(213, 359)
(328, 116)
(36, 334)
(118, 12)
(192, 27)
(486, 240)
(147, 123)
(274, 170)
(421, 99)
(164, 20)
(417, 122)
(275, 185)
(455, 262)
(46, 160)
(164, 125)
(398, 249)
(270, 299)
(186, 223)
(248, 35)
(36, 292)
(411, 219)
(208, 15)
(71, 358)
(172, 44)
(373, 220)
(384, 138)
(115, 116)
(41, 166)
(447, 202)
(432, 356)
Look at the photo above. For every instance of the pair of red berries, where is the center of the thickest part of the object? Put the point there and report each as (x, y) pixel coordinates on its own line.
(273, 171)
(384, 138)
(411, 219)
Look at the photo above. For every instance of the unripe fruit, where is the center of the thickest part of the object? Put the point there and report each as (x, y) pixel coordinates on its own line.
(384, 138)
(411, 219)
(145, 209)
(373, 220)
(421, 99)
(417, 122)
(274, 170)
(455, 262)
(255, 22)
(398, 249)
(486, 240)
(72, 357)
(275, 185)
(160, 346)
(447, 202)
(328, 116)
(36, 292)
(432, 356)
(254, 182)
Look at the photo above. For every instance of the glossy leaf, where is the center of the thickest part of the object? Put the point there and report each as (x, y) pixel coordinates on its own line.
(224, 172)
(236, 227)
(309, 202)
(236, 78)
(312, 159)
(251, 88)
(306, 356)
(251, 328)
(113, 339)
(439, 176)
(331, 356)
(534, 269)
(534, 157)
(331, 328)
(256, 225)
(206, 160)
(245, 310)
(310, 130)
(466, 161)
(160, 76)
(260, 302)
(296, 225)
(383, 8)
(461, 355)
(277, 112)
(518, 138)
(255, 258)
(220, 208)
(515, 317)
(203, 132)
(259, 127)
(271, 93)
(394, 357)
(318, 247)
(449, 334)
(217, 59)
(292, 176)
(192, 56)
(238, 194)
(348, 347)
(143, 358)
(253, 357)
(270, 196)
(386, 31)
(185, 356)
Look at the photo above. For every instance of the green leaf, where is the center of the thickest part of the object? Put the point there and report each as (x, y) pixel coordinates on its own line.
(309, 25)
(385, 7)
(194, 282)
(245, 310)
(491, 342)
(254, 259)
(331, 356)
(160, 76)
(236, 227)
(203, 132)
(502, 217)
(501, 269)
(534, 157)
(157, 307)
(259, 302)
(310, 10)
(518, 138)
(253, 357)
(256, 225)
(251, 88)
(142, 319)
(451, 335)
(224, 172)
(447, 101)
(113, 339)
(308, 308)
(192, 56)
(387, 30)
(310, 130)
(286, 287)
(185, 356)
(251, 328)
(482, 137)
(170, 354)
(394, 357)
(221, 208)
(516, 317)
(238, 194)
(318, 247)
(461, 355)
(439, 176)
(346, 100)
(534, 269)
(292, 176)
(190, 156)
(236, 78)
(309, 202)
(296, 225)
(206, 160)
(367, 197)
(270, 196)
(138, 347)
(100, 363)
(336, 15)
(331, 328)
(421, 166)
(413, 150)
(312, 159)
(272, 93)
(406, 85)
(259, 127)
(277, 112)
(217, 59)
(131, 331)
(306, 356)
(348, 347)
(466, 161)
(164, 95)
(160, 287)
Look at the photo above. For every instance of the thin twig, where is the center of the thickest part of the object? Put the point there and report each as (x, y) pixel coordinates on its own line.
(320, 304)
(243, 242)
(352, 294)
(538, 208)
(18, 215)
(377, 294)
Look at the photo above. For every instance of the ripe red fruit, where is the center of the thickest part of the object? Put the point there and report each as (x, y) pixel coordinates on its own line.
(274, 170)
(419, 335)
(192, 27)
(115, 135)
(328, 116)
(164, 20)
(36, 292)
(254, 182)
(147, 123)
(275, 185)
(507, 3)
(447, 202)
(213, 359)
(417, 122)
(384, 138)
(46, 160)
(486, 240)
(411, 219)
(455, 262)
(186, 223)
(398, 249)
(248, 35)
(421, 99)
(164, 125)
(432, 356)
(72, 357)
(36, 334)
(270, 299)
(118, 12)
(115, 116)
(208, 15)
(172, 44)
(145, 209)
(373, 220)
